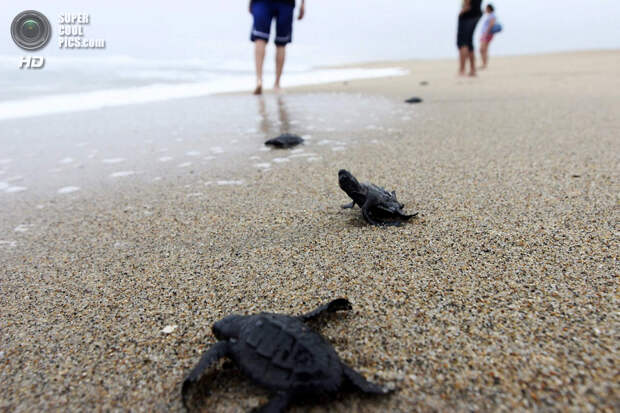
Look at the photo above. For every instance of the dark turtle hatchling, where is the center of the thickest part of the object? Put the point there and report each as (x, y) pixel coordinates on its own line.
(284, 141)
(281, 353)
(379, 207)
(414, 100)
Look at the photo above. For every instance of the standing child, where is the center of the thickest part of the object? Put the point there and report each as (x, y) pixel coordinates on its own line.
(487, 34)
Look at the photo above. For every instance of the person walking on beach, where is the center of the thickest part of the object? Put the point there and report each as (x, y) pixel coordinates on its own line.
(468, 19)
(264, 11)
(487, 35)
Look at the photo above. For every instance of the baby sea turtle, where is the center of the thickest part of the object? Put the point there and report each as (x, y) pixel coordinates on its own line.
(414, 100)
(285, 141)
(379, 207)
(281, 353)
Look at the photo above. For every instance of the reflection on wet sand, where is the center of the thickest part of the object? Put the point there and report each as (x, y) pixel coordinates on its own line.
(267, 126)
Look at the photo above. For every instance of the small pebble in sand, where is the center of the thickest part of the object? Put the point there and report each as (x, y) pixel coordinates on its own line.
(21, 228)
(169, 329)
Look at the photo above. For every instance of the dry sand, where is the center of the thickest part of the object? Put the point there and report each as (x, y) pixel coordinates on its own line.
(503, 295)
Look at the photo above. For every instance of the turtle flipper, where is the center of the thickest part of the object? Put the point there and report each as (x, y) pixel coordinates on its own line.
(361, 383)
(277, 404)
(407, 217)
(349, 206)
(368, 217)
(331, 307)
(216, 352)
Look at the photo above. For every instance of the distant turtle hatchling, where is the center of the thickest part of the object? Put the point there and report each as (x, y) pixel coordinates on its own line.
(379, 207)
(285, 141)
(281, 353)
(414, 100)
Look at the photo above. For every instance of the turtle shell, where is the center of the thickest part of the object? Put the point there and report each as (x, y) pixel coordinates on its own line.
(386, 201)
(280, 352)
(285, 141)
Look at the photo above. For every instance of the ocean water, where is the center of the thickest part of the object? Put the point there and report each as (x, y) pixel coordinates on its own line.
(76, 84)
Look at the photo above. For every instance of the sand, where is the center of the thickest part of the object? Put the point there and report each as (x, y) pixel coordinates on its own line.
(502, 296)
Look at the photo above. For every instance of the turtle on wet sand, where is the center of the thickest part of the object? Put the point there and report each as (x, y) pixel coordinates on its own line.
(285, 141)
(414, 100)
(379, 207)
(282, 354)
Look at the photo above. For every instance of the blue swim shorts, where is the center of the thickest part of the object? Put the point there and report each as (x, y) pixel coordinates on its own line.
(264, 11)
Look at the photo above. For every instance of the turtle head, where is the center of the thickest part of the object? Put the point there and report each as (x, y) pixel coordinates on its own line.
(228, 327)
(347, 182)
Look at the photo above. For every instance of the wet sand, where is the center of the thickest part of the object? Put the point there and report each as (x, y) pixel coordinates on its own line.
(502, 295)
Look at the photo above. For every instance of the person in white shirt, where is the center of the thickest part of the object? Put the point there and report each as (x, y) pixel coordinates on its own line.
(487, 35)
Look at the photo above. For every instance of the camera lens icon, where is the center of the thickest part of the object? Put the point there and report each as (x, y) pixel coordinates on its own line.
(31, 30)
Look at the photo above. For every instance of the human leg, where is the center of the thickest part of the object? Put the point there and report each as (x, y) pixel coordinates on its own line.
(263, 14)
(463, 55)
(280, 57)
(484, 53)
(284, 35)
(461, 44)
(470, 29)
(472, 63)
(260, 46)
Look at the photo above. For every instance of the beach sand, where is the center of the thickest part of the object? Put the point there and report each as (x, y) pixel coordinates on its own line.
(502, 295)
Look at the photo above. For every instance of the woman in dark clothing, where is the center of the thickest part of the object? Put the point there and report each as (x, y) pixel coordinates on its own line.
(468, 19)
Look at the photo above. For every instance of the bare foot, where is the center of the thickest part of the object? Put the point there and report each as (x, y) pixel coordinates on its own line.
(277, 89)
(461, 73)
(472, 74)
(258, 90)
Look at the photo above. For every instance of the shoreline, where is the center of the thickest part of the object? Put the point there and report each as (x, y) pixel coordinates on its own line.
(502, 295)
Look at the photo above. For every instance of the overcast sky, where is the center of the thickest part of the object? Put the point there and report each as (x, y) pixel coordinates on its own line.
(333, 31)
